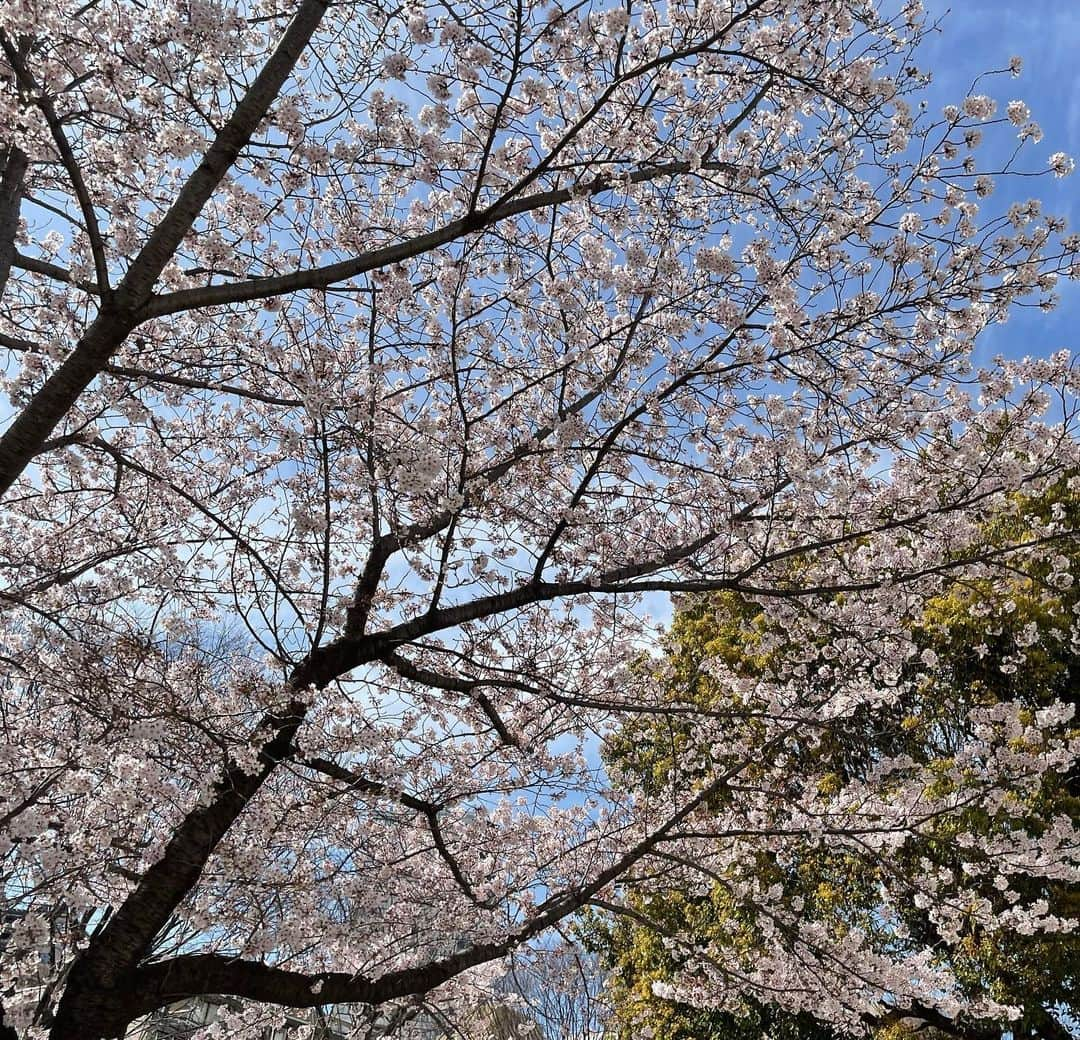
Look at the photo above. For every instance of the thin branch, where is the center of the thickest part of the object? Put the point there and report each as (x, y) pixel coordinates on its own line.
(469, 686)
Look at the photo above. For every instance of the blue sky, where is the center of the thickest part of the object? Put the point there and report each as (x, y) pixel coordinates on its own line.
(977, 35)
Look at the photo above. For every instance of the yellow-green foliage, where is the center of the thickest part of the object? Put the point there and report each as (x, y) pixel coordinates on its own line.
(724, 627)
(973, 627)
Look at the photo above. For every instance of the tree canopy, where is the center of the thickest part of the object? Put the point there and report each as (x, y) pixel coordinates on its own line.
(369, 372)
(987, 643)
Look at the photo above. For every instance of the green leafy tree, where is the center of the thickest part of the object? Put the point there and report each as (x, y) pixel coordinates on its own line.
(983, 642)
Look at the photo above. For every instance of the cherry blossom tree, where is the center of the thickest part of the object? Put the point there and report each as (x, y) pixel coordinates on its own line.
(369, 368)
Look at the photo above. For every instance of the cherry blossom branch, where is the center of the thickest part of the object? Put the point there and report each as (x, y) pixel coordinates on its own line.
(386, 256)
(127, 936)
(429, 810)
(36, 265)
(156, 985)
(43, 102)
(711, 334)
(365, 785)
(661, 60)
(469, 686)
(118, 315)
